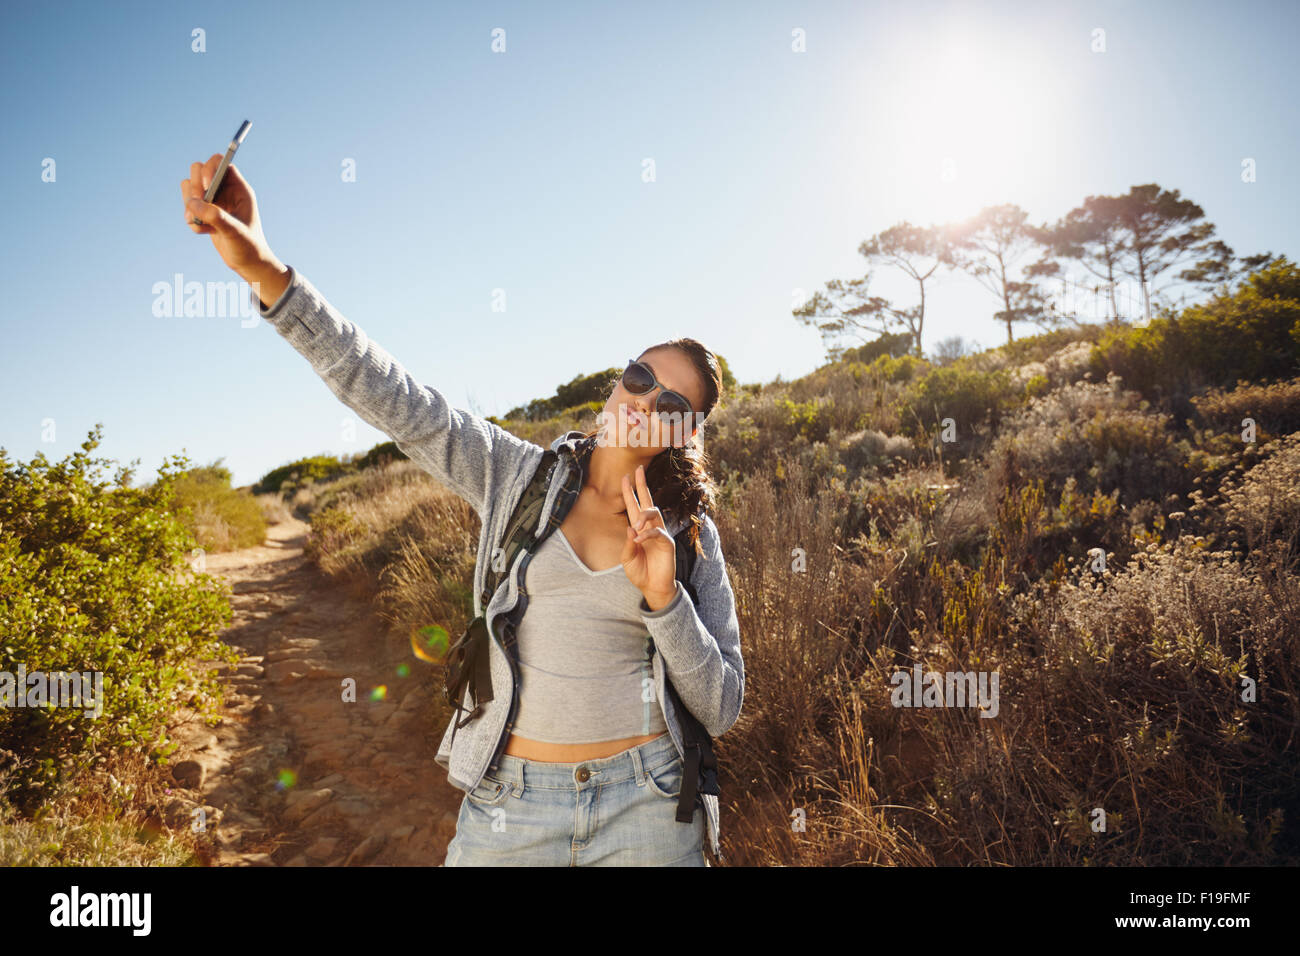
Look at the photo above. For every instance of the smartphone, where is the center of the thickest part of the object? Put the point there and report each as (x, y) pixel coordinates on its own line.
(225, 163)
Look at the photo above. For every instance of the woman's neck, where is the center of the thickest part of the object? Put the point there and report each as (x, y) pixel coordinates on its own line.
(607, 466)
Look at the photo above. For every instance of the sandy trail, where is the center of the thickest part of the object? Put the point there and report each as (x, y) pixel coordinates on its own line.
(367, 790)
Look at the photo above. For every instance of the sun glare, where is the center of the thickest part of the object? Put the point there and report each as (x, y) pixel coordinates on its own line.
(969, 114)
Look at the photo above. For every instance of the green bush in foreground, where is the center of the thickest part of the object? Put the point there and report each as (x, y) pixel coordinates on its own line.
(93, 579)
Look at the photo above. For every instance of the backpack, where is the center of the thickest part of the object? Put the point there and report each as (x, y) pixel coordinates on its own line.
(467, 661)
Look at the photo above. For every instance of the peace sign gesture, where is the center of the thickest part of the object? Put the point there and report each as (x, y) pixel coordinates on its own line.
(649, 554)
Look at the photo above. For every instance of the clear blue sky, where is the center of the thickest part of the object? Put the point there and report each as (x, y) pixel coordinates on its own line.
(522, 171)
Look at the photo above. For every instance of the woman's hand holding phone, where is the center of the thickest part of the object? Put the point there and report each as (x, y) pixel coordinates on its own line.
(232, 221)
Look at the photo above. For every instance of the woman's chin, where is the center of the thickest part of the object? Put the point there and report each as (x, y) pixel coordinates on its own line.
(622, 433)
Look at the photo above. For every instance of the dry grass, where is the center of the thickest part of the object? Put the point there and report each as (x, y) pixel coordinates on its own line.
(1274, 408)
(1120, 691)
(274, 509)
(396, 536)
(112, 817)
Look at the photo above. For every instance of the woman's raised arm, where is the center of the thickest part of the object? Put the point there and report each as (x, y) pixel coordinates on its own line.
(466, 452)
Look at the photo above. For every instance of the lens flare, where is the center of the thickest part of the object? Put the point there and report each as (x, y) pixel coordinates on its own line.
(430, 644)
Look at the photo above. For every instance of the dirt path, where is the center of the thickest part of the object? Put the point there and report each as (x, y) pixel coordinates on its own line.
(367, 790)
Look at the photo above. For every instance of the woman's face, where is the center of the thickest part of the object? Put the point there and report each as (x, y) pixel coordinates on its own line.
(630, 420)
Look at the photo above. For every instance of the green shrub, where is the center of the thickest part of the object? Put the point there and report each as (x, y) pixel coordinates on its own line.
(1251, 334)
(902, 369)
(333, 529)
(894, 344)
(1038, 348)
(374, 457)
(581, 390)
(94, 579)
(296, 474)
(1037, 386)
(219, 517)
(969, 397)
(871, 449)
(810, 419)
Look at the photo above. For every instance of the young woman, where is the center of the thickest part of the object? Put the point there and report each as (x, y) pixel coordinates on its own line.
(578, 757)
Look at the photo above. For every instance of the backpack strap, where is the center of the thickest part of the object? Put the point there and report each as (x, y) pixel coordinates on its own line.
(519, 534)
(468, 659)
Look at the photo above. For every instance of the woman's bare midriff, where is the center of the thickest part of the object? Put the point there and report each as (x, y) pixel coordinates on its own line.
(596, 535)
(545, 752)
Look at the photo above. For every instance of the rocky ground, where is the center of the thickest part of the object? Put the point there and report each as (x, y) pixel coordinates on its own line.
(364, 788)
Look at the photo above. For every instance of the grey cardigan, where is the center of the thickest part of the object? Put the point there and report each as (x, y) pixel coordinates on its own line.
(698, 647)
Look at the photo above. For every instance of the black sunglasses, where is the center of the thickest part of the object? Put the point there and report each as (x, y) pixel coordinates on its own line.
(638, 379)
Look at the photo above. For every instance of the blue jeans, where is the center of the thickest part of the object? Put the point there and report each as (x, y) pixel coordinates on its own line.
(614, 811)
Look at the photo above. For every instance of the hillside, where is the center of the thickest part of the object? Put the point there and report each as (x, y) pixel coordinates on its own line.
(1099, 525)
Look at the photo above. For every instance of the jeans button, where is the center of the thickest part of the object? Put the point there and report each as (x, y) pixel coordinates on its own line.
(582, 774)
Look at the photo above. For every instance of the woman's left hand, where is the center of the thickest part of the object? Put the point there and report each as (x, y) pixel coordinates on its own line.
(649, 553)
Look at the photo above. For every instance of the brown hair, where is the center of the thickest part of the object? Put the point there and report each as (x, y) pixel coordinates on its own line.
(678, 477)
